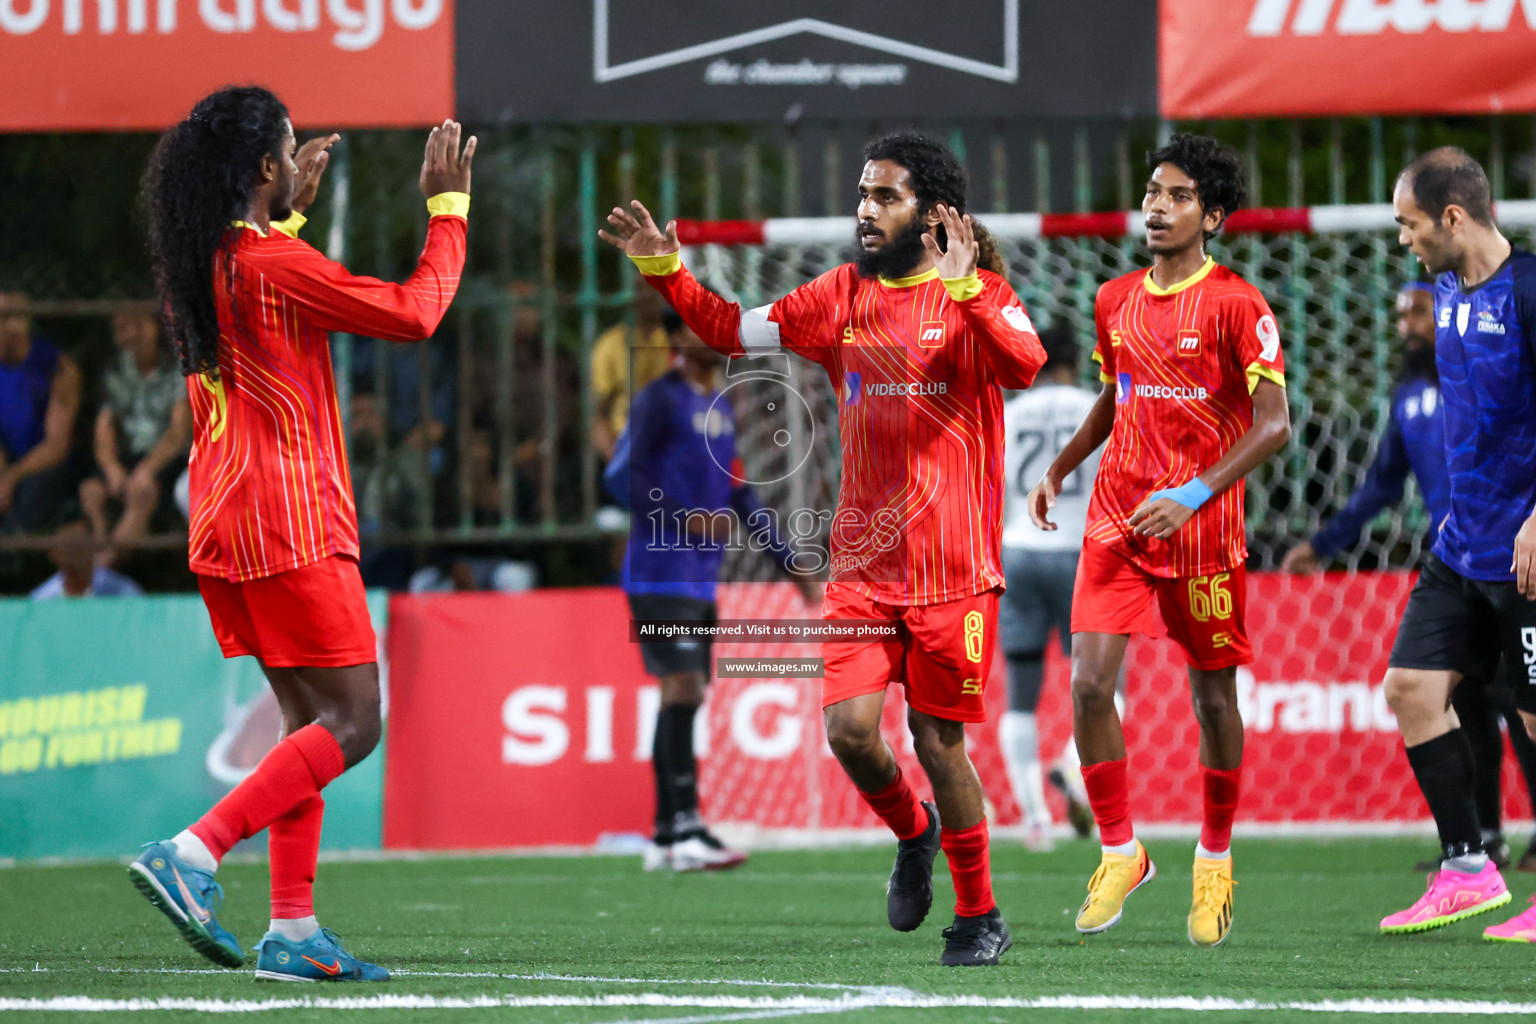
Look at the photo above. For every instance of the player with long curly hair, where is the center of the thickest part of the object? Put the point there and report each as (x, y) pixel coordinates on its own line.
(273, 536)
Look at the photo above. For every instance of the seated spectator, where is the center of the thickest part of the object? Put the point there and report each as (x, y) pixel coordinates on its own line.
(141, 433)
(39, 397)
(79, 575)
(626, 350)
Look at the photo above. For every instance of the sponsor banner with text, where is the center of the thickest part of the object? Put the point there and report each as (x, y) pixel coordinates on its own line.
(121, 723)
(1302, 58)
(68, 65)
(526, 720)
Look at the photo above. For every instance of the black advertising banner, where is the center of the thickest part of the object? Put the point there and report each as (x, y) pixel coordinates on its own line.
(707, 60)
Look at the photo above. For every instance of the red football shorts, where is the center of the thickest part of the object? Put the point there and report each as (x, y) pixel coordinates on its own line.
(943, 658)
(315, 616)
(1204, 614)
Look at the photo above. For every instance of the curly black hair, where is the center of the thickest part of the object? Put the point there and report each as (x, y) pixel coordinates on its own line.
(199, 182)
(1217, 170)
(936, 177)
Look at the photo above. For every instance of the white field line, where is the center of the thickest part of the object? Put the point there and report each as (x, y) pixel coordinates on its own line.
(719, 1018)
(768, 1004)
(876, 990)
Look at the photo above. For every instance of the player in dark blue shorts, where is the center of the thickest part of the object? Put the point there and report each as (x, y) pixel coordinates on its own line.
(1476, 597)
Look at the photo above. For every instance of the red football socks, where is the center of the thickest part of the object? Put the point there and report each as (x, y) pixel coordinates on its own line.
(970, 868)
(1110, 798)
(1218, 806)
(293, 844)
(898, 807)
(295, 770)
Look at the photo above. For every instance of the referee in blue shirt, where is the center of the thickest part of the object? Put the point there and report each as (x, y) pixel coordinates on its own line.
(1414, 443)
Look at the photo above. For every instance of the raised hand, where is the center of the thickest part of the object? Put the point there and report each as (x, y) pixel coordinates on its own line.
(445, 168)
(312, 159)
(636, 233)
(959, 259)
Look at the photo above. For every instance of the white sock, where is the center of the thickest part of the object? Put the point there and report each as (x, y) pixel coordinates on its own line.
(1204, 854)
(1471, 864)
(191, 849)
(1021, 752)
(295, 929)
(1124, 849)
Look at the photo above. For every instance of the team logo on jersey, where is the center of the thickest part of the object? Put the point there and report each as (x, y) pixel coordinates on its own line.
(1189, 343)
(1463, 312)
(853, 387)
(931, 334)
(1122, 387)
(1019, 319)
(1487, 323)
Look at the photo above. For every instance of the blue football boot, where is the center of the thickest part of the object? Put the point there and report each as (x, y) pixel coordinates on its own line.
(318, 958)
(190, 898)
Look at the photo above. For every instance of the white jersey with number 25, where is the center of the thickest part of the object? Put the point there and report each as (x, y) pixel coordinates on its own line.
(1037, 424)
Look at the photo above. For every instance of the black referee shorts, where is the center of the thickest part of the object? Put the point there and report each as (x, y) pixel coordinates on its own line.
(1463, 625)
(673, 657)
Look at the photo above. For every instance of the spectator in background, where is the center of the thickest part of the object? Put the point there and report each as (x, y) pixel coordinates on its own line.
(79, 575)
(39, 398)
(642, 345)
(141, 433)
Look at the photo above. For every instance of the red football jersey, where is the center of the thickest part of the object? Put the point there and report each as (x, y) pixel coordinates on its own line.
(1184, 362)
(269, 481)
(919, 376)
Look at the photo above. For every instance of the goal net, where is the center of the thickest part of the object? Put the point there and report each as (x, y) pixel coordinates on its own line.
(1323, 750)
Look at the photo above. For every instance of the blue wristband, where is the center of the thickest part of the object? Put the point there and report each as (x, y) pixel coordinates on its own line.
(1191, 495)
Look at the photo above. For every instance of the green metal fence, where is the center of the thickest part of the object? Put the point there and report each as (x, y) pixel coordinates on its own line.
(481, 436)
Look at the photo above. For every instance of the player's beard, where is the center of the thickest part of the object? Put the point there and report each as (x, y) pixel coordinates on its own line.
(1419, 359)
(898, 257)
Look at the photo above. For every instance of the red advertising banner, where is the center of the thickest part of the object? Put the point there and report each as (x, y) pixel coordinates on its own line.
(1304, 58)
(525, 720)
(67, 65)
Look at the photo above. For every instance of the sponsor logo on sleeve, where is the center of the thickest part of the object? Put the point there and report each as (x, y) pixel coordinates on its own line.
(1019, 319)
(1269, 338)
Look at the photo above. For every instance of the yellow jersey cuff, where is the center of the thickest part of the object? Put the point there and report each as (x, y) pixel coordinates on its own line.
(659, 266)
(1257, 373)
(963, 289)
(449, 204)
(1104, 378)
(291, 225)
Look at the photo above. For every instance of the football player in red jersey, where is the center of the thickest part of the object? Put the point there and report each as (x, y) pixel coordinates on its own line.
(273, 534)
(1193, 399)
(919, 343)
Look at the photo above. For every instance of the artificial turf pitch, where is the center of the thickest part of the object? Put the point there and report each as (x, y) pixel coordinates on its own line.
(592, 940)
